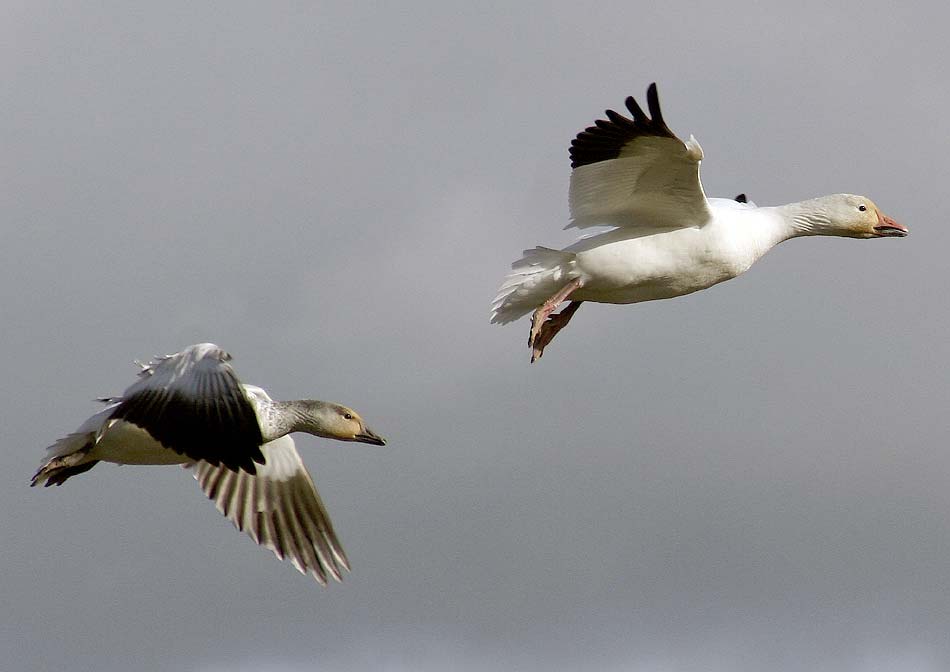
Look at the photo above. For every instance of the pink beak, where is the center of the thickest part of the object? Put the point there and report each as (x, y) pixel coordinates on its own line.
(888, 227)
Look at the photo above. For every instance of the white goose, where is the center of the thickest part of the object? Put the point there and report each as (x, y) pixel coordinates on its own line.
(667, 239)
(191, 409)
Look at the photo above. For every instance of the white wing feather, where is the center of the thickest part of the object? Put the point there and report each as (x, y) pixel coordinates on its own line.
(653, 183)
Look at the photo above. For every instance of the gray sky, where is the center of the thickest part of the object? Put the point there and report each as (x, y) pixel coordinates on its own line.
(753, 477)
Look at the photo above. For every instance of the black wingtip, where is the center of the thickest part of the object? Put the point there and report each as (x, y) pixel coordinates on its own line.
(656, 114)
(606, 138)
(638, 114)
(741, 198)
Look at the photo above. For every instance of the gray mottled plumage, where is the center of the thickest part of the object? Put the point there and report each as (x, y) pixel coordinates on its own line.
(191, 409)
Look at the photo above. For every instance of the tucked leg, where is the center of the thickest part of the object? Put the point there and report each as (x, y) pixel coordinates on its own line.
(551, 326)
(542, 314)
(58, 469)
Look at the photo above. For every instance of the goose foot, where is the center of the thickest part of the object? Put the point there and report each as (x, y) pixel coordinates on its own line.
(58, 469)
(542, 315)
(548, 330)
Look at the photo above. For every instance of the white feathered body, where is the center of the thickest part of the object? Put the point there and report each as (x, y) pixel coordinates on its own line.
(666, 238)
(630, 265)
(100, 438)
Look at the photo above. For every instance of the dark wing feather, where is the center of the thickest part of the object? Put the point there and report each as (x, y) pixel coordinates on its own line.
(194, 404)
(279, 508)
(607, 138)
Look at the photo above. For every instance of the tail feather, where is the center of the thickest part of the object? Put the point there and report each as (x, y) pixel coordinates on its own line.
(538, 275)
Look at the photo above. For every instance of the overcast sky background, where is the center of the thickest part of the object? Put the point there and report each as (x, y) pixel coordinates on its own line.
(753, 477)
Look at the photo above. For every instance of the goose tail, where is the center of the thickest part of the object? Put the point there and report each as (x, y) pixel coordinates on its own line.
(534, 278)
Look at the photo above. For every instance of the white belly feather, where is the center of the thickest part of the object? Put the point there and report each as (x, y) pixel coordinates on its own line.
(125, 443)
(619, 268)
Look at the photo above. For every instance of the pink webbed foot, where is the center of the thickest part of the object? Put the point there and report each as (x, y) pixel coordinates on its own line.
(544, 325)
(553, 324)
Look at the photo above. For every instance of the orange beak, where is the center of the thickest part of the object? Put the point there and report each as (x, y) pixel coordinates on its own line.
(888, 227)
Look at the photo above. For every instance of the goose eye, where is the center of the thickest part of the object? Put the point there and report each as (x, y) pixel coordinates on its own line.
(348, 416)
(862, 207)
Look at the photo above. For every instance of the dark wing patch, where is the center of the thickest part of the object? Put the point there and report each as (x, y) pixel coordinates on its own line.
(606, 138)
(217, 424)
(741, 198)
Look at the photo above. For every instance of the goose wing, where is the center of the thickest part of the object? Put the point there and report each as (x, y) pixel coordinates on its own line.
(279, 508)
(636, 173)
(193, 403)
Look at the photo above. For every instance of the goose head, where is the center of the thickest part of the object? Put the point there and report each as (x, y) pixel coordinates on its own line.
(335, 421)
(858, 217)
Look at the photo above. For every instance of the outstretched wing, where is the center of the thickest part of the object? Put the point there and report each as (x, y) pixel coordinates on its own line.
(636, 173)
(279, 508)
(193, 403)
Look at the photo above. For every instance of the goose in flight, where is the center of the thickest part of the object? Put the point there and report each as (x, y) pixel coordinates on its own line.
(190, 409)
(666, 238)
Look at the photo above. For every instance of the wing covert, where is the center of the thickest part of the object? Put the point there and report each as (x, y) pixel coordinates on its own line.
(635, 172)
(193, 403)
